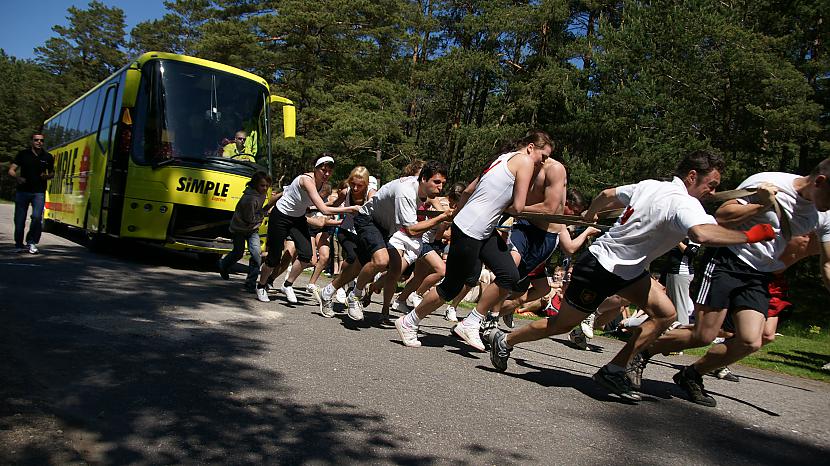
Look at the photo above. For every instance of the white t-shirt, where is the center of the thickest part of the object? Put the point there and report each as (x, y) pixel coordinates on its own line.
(395, 204)
(823, 228)
(295, 199)
(494, 191)
(802, 215)
(658, 215)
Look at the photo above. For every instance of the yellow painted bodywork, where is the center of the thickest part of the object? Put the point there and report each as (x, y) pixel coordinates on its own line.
(74, 196)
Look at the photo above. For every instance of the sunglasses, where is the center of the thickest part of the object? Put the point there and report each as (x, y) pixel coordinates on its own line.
(38, 140)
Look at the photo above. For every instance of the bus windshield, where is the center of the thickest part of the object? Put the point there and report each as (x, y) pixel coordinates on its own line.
(190, 112)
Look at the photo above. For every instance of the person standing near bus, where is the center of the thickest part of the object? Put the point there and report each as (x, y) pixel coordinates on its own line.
(250, 211)
(288, 219)
(32, 168)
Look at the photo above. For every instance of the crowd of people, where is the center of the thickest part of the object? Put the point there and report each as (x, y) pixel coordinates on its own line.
(498, 233)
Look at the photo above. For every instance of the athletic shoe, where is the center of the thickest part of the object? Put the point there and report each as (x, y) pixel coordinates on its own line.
(315, 292)
(21, 248)
(385, 320)
(578, 338)
(326, 308)
(355, 311)
(249, 288)
(340, 296)
(718, 340)
(366, 300)
(692, 383)
(508, 320)
(262, 294)
(33, 248)
(499, 352)
(449, 314)
(634, 372)
(616, 382)
(289, 294)
(409, 336)
(725, 374)
(413, 300)
(489, 325)
(399, 306)
(469, 335)
(587, 326)
(826, 367)
(222, 272)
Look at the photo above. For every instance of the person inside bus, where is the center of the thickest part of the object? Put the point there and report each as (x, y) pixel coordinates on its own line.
(242, 147)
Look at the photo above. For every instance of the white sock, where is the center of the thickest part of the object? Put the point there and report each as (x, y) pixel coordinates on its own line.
(328, 290)
(473, 319)
(411, 320)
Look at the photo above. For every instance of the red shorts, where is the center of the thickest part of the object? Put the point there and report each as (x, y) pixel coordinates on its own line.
(778, 292)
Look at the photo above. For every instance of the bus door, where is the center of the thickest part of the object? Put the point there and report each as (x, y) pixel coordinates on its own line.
(115, 174)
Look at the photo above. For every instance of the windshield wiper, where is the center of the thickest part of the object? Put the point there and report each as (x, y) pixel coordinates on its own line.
(177, 159)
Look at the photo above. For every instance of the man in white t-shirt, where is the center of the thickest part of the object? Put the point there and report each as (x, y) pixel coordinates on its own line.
(657, 216)
(393, 208)
(736, 278)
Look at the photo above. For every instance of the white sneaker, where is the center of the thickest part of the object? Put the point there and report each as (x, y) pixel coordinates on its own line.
(33, 248)
(399, 306)
(262, 294)
(449, 314)
(470, 335)
(413, 300)
(314, 290)
(587, 326)
(289, 294)
(340, 296)
(355, 310)
(409, 336)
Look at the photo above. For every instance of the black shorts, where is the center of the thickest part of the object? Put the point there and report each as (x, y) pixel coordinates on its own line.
(729, 283)
(590, 283)
(281, 227)
(371, 237)
(348, 241)
(465, 260)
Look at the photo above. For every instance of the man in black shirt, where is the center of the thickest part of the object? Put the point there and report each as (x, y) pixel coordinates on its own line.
(31, 168)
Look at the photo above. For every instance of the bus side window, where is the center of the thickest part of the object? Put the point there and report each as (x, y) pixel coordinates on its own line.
(105, 123)
(88, 120)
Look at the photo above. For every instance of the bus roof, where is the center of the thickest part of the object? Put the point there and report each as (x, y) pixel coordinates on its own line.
(138, 62)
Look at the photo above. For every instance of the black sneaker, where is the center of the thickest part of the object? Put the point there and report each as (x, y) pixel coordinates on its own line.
(222, 272)
(488, 327)
(366, 300)
(634, 372)
(499, 352)
(616, 382)
(692, 383)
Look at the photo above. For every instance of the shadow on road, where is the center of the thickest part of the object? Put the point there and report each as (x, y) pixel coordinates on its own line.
(96, 346)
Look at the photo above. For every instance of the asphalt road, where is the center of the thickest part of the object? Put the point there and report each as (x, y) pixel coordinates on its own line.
(137, 355)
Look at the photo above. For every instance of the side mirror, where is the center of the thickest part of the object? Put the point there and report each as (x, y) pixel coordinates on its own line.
(289, 115)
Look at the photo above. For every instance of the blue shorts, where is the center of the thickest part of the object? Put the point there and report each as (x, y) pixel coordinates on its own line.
(534, 245)
(427, 248)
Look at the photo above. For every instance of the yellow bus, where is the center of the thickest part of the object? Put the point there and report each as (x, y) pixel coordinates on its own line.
(161, 151)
